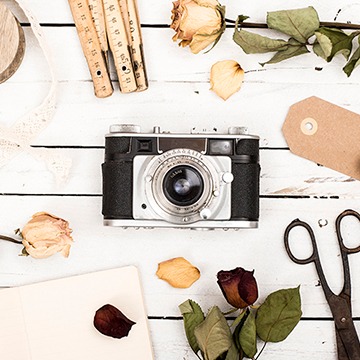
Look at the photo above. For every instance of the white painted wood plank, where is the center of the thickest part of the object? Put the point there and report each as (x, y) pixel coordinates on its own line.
(177, 100)
(82, 119)
(166, 61)
(159, 12)
(309, 340)
(97, 247)
(27, 175)
(178, 86)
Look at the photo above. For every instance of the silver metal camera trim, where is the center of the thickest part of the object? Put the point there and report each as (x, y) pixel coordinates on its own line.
(200, 225)
(149, 172)
(128, 130)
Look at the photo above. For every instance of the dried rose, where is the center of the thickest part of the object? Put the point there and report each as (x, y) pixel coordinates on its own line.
(226, 78)
(110, 321)
(178, 272)
(238, 286)
(197, 23)
(45, 235)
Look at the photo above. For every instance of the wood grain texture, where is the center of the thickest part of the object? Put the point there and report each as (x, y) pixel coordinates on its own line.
(300, 344)
(12, 44)
(29, 176)
(97, 247)
(159, 12)
(179, 99)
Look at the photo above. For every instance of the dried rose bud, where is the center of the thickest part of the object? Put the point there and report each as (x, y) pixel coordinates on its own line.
(226, 78)
(198, 23)
(238, 286)
(110, 321)
(45, 235)
(178, 272)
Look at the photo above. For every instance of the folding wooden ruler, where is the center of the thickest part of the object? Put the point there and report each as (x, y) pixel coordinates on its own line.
(102, 22)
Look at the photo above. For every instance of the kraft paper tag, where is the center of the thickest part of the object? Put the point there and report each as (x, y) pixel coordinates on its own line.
(325, 133)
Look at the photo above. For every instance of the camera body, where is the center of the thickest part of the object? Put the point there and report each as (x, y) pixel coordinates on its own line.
(201, 180)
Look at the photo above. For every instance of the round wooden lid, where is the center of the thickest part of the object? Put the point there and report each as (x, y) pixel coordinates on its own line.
(12, 43)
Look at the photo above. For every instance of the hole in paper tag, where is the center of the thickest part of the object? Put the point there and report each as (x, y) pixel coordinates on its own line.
(326, 134)
(309, 126)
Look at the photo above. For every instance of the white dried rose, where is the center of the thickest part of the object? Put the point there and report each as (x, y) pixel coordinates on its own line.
(226, 78)
(45, 235)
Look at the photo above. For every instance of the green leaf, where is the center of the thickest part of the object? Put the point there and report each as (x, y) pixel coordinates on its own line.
(332, 42)
(294, 49)
(248, 336)
(193, 316)
(213, 334)
(239, 322)
(323, 50)
(353, 62)
(255, 44)
(24, 252)
(278, 315)
(241, 18)
(233, 353)
(300, 24)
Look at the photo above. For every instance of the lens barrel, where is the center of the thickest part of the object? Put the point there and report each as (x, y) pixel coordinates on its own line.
(183, 185)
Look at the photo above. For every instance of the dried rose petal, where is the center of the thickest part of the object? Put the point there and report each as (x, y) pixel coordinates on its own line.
(110, 321)
(178, 272)
(226, 78)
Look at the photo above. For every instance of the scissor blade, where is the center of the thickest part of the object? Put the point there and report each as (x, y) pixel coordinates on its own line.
(348, 344)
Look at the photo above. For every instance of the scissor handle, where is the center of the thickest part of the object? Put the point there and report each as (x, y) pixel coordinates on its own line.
(314, 257)
(343, 247)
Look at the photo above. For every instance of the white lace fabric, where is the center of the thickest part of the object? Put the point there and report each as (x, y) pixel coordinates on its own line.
(18, 137)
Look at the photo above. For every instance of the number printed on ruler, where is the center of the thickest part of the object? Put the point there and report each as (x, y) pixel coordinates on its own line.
(119, 45)
(97, 13)
(91, 47)
(136, 45)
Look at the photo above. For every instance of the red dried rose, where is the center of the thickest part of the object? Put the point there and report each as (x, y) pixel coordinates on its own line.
(238, 286)
(110, 321)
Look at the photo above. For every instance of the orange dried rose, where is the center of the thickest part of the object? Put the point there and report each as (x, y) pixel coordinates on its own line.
(45, 235)
(178, 272)
(197, 23)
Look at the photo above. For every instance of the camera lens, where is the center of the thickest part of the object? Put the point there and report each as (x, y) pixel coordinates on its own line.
(183, 185)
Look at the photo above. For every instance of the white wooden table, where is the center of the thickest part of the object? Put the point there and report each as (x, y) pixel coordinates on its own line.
(179, 99)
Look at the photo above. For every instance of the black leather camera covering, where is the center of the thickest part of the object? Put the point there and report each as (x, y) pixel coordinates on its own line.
(118, 177)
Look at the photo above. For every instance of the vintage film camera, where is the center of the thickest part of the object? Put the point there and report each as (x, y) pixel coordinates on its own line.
(200, 180)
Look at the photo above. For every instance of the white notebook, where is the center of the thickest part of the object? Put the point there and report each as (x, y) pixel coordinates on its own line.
(53, 320)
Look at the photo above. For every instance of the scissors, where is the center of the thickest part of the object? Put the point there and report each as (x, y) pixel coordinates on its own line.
(348, 345)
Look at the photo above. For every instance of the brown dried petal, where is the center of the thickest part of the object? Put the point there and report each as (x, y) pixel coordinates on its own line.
(110, 321)
(178, 272)
(226, 78)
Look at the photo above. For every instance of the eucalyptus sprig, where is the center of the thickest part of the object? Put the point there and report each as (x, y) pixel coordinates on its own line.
(305, 31)
(214, 337)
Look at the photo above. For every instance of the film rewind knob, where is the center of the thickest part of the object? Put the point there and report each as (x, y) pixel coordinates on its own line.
(125, 128)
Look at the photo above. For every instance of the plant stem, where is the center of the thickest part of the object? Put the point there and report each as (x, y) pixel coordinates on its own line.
(6, 238)
(262, 349)
(230, 312)
(335, 25)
